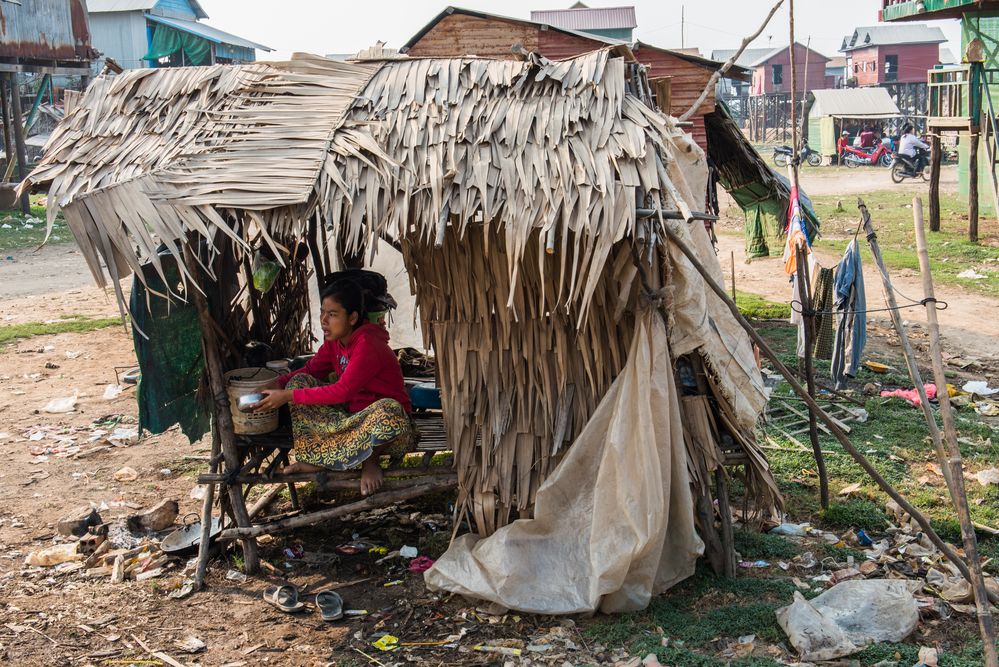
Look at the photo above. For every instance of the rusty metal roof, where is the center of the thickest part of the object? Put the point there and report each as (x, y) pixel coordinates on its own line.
(587, 18)
(45, 30)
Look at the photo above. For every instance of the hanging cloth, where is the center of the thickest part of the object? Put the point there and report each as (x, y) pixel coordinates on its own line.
(168, 41)
(851, 304)
(825, 321)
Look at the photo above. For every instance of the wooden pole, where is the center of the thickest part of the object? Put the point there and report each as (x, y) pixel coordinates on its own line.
(204, 547)
(8, 138)
(713, 81)
(381, 499)
(222, 421)
(805, 299)
(22, 151)
(910, 357)
(973, 186)
(935, 159)
(950, 435)
(829, 422)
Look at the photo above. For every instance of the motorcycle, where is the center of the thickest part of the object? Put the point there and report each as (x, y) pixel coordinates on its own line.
(856, 157)
(782, 156)
(911, 167)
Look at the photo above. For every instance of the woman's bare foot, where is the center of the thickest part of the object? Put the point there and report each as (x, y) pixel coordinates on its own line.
(371, 476)
(298, 467)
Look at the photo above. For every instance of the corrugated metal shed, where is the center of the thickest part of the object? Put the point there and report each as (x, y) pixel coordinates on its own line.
(587, 18)
(208, 32)
(44, 30)
(853, 103)
(98, 6)
(889, 35)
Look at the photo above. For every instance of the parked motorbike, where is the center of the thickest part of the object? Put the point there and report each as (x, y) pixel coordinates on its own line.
(857, 157)
(905, 167)
(782, 156)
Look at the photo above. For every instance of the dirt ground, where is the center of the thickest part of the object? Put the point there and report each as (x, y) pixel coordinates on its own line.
(53, 618)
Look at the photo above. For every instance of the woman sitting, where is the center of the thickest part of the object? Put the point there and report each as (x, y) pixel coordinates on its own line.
(364, 411)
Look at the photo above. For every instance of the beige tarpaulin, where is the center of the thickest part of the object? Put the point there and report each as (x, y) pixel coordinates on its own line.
(614, 523)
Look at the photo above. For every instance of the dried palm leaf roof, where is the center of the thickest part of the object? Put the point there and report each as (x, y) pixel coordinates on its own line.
(534, 168)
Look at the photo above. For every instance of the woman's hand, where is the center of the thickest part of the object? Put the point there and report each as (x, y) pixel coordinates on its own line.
(273, 399)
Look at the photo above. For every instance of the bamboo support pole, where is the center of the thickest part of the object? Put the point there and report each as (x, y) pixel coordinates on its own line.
(953, 461)
(222, 421)
(910, 356)
(374, 501)
(838, 433)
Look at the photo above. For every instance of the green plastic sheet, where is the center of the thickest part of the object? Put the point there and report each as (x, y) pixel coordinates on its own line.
(168, 41)
(169, 354)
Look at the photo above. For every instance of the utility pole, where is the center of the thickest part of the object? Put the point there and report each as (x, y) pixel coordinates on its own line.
(683, 24)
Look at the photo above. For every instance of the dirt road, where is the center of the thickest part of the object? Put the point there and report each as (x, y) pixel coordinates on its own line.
(965, 327)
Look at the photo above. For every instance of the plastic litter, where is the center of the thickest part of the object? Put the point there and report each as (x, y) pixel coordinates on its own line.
(501, 650)
(864, 539)
(790, 529)
(848, 617)
(386, 643)
(912, 395)
(420, 564)
(408, 552)
(927, 656)
(60, 553)
(61, 405)
(235, 575)
(112, 391)
(987, 476)
(980, 387)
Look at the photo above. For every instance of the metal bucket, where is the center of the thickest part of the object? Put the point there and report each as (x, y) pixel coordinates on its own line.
(244, 381)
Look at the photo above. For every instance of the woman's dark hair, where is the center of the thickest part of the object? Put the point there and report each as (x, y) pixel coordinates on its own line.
(350, 296)
(907, 128)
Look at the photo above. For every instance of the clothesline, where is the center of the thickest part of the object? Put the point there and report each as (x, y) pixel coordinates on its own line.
(941, 305)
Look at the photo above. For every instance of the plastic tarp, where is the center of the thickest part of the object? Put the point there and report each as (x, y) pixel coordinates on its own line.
(614, 522)
(168, 41)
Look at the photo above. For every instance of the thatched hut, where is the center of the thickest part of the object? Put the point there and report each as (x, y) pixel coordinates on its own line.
(527, 199)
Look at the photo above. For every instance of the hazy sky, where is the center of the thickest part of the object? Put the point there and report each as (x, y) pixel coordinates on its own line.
(323, 26)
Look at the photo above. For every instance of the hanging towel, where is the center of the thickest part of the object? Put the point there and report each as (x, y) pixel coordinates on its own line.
(851, 307)
(825, 321)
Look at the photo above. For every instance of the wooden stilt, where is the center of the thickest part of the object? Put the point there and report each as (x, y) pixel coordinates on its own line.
(725, 513)
(936, 156)
(805, 296)
(380, 499)
(837, 432)
(204, 548)
(958, 493)
(973, 186)
(19, 146)
(8, 137)
(222, 421)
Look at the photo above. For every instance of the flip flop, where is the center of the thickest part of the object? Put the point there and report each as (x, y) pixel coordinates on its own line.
(284, 598)
(330, 605)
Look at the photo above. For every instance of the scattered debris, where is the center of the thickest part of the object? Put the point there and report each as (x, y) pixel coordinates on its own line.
(55, 555)
(159, 517)
(126, 474)
(61, 405)
(848, 617)
(78, 522)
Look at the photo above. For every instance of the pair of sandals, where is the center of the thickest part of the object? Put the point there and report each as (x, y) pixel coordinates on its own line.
(285, 598)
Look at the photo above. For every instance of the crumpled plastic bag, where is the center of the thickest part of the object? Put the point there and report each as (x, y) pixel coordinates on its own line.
(848, 617)
(613, 523)
(61, 405)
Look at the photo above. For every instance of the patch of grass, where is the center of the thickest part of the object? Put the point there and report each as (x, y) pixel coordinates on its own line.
(695, 613)
(80, 324)
(20, 231)
(967, 655)
(755, 307)
(755, 545)
(891, 212)
(855, 514)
